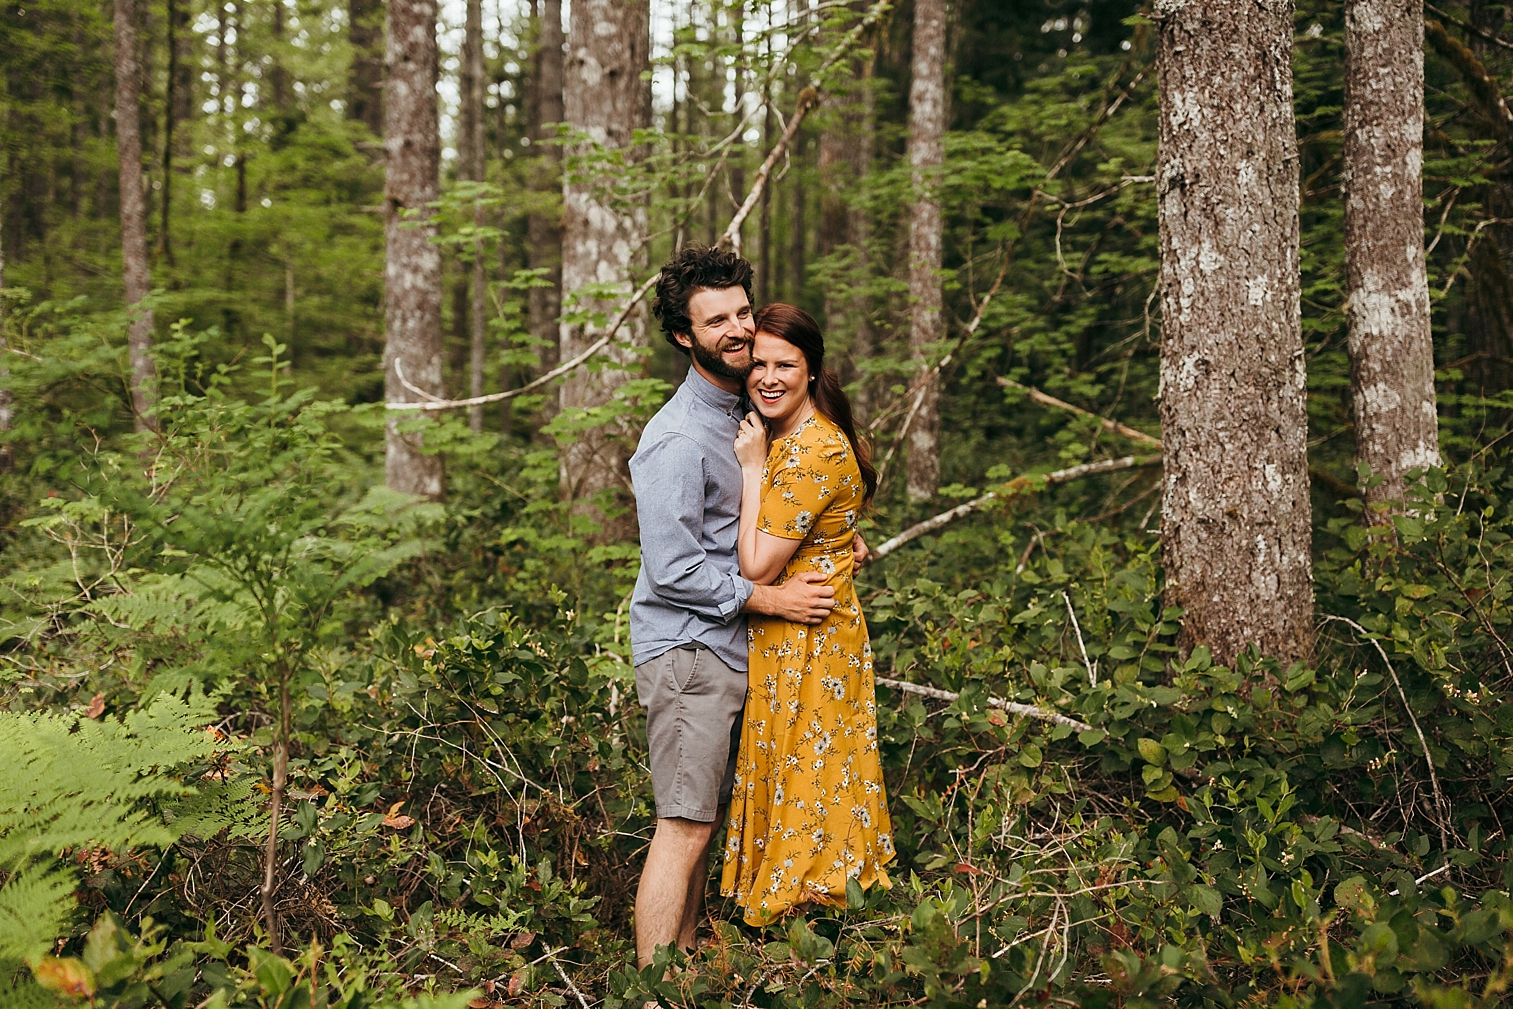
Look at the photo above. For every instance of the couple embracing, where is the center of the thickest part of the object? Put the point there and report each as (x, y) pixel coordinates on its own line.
(749, 485)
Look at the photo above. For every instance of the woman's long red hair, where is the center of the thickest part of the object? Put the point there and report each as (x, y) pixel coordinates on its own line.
(796, 326)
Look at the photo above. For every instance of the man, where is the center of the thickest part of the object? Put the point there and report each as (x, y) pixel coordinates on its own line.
(687, 624)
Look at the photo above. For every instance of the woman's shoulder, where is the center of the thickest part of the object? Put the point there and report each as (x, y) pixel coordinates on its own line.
(826, 438)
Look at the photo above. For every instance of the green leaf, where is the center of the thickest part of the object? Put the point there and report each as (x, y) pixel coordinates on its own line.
(1151, 751)
(1207, 900)
(855, 898)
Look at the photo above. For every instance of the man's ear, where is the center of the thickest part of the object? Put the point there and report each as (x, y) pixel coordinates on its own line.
(685, 340)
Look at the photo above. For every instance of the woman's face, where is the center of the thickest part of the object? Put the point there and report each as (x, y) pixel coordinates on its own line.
(779, 382)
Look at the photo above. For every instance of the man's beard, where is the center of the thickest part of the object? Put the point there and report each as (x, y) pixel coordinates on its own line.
(714, 362)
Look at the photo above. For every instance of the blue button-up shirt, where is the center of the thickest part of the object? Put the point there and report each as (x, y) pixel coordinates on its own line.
(688, 502)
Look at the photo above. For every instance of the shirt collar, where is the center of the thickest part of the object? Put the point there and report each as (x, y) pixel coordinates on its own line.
(725, 402)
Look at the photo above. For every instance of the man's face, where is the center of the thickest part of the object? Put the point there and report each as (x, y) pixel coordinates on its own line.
(722, 331)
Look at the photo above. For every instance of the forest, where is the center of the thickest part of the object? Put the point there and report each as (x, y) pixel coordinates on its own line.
(1181, 332)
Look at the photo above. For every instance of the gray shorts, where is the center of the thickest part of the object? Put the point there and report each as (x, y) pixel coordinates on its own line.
(693, 703)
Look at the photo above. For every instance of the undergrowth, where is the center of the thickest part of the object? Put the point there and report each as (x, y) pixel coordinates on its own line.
(466, 804)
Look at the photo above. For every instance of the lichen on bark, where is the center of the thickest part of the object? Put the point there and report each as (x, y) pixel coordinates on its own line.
(1236, 514)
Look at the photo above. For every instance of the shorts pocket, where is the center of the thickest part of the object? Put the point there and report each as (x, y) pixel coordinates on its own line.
(685, 668)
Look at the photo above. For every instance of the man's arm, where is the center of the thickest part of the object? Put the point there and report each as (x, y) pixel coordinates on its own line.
(669, 479)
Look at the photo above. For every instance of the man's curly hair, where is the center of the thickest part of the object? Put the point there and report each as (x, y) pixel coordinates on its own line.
(693, 269)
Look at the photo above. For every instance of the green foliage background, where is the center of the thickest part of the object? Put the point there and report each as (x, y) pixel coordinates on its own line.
(468, 801)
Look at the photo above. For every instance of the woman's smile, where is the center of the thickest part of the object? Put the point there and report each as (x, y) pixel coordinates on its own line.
(779, 383)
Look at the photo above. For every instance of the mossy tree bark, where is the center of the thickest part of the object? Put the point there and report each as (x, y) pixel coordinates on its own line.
(1387, 288)
(412, 268)
(1235, 507)
(604, 238)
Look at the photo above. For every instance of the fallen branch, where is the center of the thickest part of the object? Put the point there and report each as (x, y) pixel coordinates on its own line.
(971, 328)
(1012, 707)
(808, 98)
(1046, 399)
(568, 981)
(1016, 486)
(731, 238)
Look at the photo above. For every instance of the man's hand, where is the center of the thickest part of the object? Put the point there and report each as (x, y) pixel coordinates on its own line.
(803, 599)
(859, 552)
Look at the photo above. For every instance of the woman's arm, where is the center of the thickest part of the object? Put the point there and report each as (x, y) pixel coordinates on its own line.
(762, 554)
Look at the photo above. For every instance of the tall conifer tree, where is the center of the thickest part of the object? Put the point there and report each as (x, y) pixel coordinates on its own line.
(1235, 518)
(138, 276)
(605, 97)
(473, 162)
(412, 269)
(927, 126)
(545, 229)
(1387, 288)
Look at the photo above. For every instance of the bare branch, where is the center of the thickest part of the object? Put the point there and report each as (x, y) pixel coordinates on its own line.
(1441, 807)
(1045, 399)
(1018, 485)
(807, 100)
(1013, 707)
(922, 384)
(557, 372)
(1092, 671)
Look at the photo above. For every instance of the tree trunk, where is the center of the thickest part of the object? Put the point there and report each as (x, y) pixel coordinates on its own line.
(845, 160)
(365, 75)
(474, 166)
(279, 75)
(1391, 351)
(1235, 507)
(737, 189)
(798, 208)
(764, 227)
(7, 404)
(133, 215)
(859, 225)
(412, 270)
(175, 104)
(545, 228)
(605, 97)
(927, 125)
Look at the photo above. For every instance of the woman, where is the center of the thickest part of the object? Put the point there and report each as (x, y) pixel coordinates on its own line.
(808, 811)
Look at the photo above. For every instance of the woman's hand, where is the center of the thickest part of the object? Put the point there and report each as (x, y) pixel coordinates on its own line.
(751, 443)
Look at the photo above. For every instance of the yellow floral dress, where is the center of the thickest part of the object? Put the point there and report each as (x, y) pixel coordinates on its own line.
(808, 810)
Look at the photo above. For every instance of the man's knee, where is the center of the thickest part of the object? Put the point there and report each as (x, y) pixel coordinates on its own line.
(686, 832)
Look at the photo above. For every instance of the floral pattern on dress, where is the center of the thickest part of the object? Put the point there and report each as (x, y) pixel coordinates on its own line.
(809, 809)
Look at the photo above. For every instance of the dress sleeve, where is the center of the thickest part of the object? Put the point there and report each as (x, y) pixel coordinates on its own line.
(804, 479)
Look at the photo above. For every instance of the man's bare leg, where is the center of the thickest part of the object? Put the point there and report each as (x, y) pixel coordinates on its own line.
(664, 914)
(698, 884)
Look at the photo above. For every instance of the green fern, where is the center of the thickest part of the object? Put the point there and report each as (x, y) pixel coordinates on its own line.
(68, 783)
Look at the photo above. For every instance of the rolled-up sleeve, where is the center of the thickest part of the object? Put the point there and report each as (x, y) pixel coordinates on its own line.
(669, 482)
